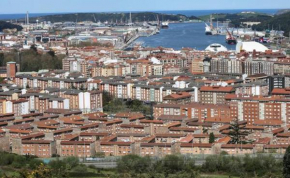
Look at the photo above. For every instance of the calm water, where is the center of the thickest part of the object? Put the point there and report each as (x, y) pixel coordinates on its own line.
(178, 35)
(184, 12)
(181, 35)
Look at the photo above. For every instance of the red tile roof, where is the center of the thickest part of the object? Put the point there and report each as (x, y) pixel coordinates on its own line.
(177, 96)
(281, 91)
(240, 146)
(117, 143)
(76, 142)
(36, 141)
(268, 122)
(264, 141)
(200, 145)
(216, 89)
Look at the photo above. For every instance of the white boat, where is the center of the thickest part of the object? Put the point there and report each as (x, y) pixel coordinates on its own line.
(165, 24)
(216, 48)
(208, 29)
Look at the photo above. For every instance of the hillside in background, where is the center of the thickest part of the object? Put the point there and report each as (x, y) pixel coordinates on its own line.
(278, 22)
(8, 25)
(111, 17)
(282, 11)
(237, 19)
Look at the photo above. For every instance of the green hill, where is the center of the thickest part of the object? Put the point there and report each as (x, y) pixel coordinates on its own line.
(111, 17)
(282, 11)
(237, 19)
(278, 22)
(7, 25)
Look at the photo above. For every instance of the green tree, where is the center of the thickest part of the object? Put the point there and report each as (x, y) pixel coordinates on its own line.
(2, 59)
(133, 164)
(286, 163)
(1, 79)
(106, 98)
(71, 162)
(8, 25)
(59, 168)
(211, 138)
(33, 47)
(82, 88)
(41, 171)
(236, 133)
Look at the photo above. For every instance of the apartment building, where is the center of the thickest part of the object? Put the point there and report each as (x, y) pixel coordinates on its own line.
(253, 108)
(39, 148)
(79, 149)
(214, 94)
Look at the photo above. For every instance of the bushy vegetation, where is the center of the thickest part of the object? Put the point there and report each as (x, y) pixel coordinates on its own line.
(115, 105)
(17, 166)
(17, 161)
(237, 19)
(146, 167)
(286, 163)
(7, 25)
(181, 166)
(259, 166)
(134, 166)
(31, 60)
(85, 44)
(278, 22)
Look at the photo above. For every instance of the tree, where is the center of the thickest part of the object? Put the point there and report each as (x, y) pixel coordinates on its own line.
(33, 47)
(72, 86)
(286, 163)
(235, 132)
(211, 138)
(2, 59)
(31, 60)
(1, 79)
(71, 162)
(82, 88)
(106, 98)
(51, 53)
(59, 168)
(8, 25)
(41, 171)
(133, 164)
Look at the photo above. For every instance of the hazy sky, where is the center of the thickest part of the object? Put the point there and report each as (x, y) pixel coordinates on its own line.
(45, 6)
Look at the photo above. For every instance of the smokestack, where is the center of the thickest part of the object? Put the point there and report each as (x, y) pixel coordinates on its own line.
(27, 18)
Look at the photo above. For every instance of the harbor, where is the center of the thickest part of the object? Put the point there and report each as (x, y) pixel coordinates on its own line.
(196, 34)
(180, 35)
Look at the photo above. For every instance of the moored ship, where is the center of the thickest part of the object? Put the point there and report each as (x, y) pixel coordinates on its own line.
(165, 25)
(230, 39)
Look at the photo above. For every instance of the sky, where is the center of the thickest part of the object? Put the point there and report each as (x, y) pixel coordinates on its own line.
(54, 6)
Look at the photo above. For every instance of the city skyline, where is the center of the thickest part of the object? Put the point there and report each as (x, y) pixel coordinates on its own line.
(63, 6)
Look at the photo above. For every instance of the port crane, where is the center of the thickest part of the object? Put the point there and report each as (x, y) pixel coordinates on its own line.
(230, 39)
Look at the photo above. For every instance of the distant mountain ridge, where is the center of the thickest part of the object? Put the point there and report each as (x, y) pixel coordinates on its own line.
(111, 17)
(282, 11)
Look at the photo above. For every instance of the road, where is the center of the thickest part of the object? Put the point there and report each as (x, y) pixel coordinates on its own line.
(114, 164)
(102, 164)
